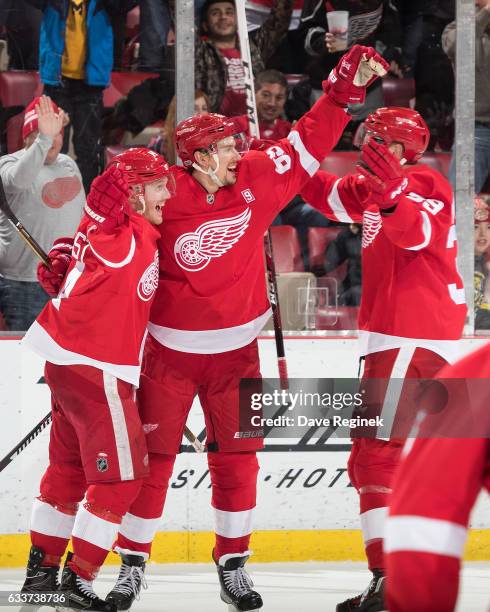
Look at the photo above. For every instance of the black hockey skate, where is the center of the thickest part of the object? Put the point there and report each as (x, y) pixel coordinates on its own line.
(80, 594)
(372, 600)
(39, 578)
(129, 582)
(236, 584)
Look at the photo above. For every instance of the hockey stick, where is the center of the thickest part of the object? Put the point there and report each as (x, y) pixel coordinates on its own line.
(9, 457)
(23, 233)
(253, 123)
(35, 431)
(38, 250)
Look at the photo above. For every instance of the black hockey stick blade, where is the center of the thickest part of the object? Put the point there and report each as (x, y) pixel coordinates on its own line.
(9, 457)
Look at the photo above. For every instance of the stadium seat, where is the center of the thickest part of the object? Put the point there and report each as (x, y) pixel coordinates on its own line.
(340, 162)
(14, 133)
(122, 83)
(344, 162)
(294, 79)
(444, 161)
(398, 92)
(318, 240)
(17, 90)
(338, 318)
(111, 152)
(286, 248)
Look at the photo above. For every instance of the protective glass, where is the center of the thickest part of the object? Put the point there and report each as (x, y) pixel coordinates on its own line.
(238, 141)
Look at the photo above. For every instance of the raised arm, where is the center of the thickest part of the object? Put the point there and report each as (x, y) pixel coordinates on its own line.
(410, 220)
(297, 158)
(20, 174)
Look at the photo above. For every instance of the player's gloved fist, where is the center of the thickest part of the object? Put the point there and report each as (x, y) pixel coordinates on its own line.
(107, 203)
(356, 70)
(383, 173)
(51, 279)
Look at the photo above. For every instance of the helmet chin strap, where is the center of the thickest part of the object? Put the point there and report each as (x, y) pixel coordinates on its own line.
(210, 172)
(139, 192)
(141, 200)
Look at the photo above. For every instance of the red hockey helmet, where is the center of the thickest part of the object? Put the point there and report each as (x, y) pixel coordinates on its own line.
(201, 132)
(141, 165)
(398, 124)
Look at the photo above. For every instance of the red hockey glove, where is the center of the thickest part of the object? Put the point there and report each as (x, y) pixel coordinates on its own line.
(383, 173)
(107, 203)
(357, 69)
(51, 279)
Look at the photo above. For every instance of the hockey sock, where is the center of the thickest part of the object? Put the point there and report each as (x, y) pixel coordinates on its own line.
(51, 526)
(373, 525)
(234, 484)
(141, 522)
(97, 522)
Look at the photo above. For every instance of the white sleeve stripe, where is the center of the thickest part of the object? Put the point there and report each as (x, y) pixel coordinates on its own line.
(422, 534)
(309, 163)
(335, 203)
(427, 231)
(58, 245)
(119, 264)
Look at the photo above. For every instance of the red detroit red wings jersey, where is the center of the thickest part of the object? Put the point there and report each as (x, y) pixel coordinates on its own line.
(211, 296)
(411, 288)
(101, 314)
(435, 489)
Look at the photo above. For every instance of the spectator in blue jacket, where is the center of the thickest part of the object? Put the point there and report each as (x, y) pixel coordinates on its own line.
(75, 63)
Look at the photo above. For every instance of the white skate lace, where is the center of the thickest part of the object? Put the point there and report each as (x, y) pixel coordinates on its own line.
(238, 582)
(130, 581)
(372, 587)
(85, 587)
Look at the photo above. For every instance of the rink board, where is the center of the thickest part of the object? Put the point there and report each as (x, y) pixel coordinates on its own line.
(306, 508)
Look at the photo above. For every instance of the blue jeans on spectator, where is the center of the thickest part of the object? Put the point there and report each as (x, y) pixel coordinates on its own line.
(482, 157)
(21, 302)
(154, 28)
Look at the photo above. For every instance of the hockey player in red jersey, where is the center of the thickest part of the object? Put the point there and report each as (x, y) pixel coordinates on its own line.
(412, 308)
(210, 306)
(91, 336)
(434, 491)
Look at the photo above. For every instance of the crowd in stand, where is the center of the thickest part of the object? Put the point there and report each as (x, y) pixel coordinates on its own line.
(75, 45)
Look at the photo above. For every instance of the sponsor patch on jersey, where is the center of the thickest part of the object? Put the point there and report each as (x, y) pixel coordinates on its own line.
(102, 462)
(194, 250)
(248, 196)
(210, 198)
(149, 281)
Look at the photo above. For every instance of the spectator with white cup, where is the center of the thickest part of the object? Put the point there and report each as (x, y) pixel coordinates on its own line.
(338, 27)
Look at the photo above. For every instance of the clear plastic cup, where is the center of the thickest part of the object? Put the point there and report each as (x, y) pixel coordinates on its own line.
(338, 25)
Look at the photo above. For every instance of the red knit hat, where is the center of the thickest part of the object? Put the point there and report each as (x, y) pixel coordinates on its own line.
(481, 210)
(30, 117)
